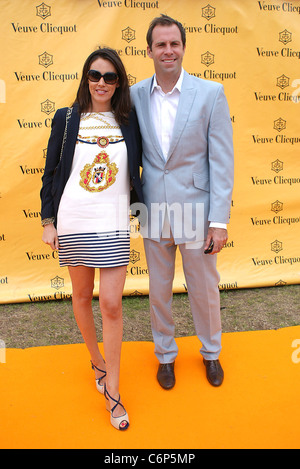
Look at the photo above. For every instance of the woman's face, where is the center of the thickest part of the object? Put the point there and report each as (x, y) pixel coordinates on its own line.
(102, 93)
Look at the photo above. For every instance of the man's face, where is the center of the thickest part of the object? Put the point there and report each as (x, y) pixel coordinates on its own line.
(167, 50)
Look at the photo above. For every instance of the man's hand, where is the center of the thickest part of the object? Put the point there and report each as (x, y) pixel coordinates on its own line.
(50, 236)
(219, 237)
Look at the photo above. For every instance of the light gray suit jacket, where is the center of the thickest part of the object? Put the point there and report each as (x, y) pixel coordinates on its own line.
(196, 180)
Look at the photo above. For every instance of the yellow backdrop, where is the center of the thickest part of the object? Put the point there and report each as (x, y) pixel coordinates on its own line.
(252, 47)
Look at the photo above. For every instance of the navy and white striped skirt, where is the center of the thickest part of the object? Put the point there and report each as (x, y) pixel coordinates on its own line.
(98, 250)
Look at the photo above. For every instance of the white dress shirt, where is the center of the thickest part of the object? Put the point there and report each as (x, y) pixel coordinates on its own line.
(164, 110)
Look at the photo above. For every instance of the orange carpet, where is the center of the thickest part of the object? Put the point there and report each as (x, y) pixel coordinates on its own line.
(48, 398)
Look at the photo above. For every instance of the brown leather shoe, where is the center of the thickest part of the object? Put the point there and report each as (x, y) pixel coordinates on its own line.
(214, 372)
(166, 375)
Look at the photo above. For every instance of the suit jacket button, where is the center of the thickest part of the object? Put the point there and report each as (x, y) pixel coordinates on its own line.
(166, 171)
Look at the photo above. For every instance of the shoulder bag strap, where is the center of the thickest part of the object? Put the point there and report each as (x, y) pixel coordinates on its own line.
(68, 115)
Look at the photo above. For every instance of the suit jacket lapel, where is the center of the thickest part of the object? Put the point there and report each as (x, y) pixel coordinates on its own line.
(186, 101)
(145, 94)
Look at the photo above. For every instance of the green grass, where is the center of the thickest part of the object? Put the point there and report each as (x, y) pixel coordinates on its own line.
(52, 323)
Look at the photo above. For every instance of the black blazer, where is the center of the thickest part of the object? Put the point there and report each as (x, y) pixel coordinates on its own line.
(57, 171)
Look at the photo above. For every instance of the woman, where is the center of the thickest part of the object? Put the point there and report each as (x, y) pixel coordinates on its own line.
(86, 194)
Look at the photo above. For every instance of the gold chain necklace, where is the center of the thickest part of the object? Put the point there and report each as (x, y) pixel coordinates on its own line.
(107, 127)
(102, 142)
(112, 138)
(100, 117)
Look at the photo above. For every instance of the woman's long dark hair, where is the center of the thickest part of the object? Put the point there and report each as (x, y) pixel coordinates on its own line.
(121, 103)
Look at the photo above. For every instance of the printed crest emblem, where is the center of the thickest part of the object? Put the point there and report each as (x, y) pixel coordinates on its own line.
(285, 37)
(136, 293)
(99, 175)
(134, 256)
(48, 106)
(57, 282)
(128, 34)
(103, 142)
(276, 246)
(279, 124)
(283, 82)
(277, 206)
(46, 59)
(208, 58)
(43, 11)
(281, 283)
(131, 80)
(208, 12)
(277, 166)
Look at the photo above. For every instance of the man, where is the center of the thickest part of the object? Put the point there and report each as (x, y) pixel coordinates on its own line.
(187, 185)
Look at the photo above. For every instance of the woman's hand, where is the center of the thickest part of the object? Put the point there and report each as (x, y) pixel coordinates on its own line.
(50, 236)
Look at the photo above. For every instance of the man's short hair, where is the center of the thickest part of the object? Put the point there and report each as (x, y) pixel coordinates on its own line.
(165, 20)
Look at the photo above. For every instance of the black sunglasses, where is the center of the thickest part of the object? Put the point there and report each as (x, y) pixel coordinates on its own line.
(110, 78)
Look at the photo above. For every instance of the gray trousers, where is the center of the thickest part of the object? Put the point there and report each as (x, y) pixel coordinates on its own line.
(202, 281)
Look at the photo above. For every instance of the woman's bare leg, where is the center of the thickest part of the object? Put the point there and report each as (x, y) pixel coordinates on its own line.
(112, 282)
(83, 286)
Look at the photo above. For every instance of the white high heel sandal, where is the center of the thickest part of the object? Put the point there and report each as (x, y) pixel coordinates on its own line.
(99, 386)
(120, 423)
